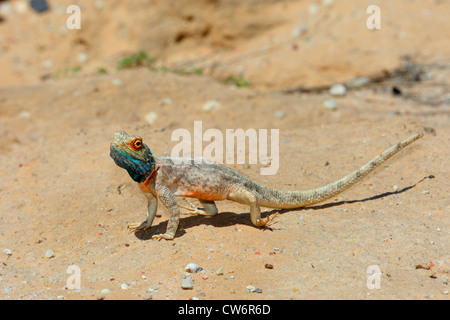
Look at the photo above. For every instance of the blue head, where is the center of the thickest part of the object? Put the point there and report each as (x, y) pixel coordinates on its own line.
(130, 153)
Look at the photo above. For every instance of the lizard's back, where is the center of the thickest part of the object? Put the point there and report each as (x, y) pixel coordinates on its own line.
(198, 178)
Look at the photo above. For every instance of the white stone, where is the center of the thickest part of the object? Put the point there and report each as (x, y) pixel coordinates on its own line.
(193, 268)
(330, 104)
(49, 254)
(338, 89)
(151, 117)
(82, 57)
(211, 105)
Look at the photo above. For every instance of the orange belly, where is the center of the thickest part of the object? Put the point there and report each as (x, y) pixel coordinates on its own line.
(201, 193)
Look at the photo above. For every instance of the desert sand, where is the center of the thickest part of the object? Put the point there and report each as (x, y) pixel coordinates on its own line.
(266, 65)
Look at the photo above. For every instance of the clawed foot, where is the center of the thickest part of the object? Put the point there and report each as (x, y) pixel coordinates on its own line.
(133, 227)
(164, 236)
(192, 209)
(268, 221)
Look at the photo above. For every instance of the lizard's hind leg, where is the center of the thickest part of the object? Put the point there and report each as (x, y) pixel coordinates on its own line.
(241, 194)
(209, 208)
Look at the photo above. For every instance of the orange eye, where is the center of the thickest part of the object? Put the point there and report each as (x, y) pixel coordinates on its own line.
(137, 144)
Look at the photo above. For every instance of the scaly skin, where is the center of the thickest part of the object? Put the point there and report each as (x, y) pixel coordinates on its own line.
(164, 178)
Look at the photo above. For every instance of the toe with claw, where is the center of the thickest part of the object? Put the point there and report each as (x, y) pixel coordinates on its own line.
(192, 209)
(133, 227)
(269, 221)
(164, 236)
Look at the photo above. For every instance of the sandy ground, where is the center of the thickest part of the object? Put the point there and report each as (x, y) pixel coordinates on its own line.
(60, 190)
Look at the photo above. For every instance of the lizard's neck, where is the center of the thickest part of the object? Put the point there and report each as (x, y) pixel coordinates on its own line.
(146, 185)
(136, 176)
(138, 170)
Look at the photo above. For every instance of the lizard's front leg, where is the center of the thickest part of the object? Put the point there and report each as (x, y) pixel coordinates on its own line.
(168, 199)
(152, 208)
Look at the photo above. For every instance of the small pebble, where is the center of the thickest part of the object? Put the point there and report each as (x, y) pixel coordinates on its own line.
(24, 115)
(193, 268)
(219, 271)
(151, 117)
(99, 4)
(165, 101)
(211, 105)
(358, 82)
(82, 57)
(105, 291)
(299, 30)
(426, 76)
(117, 82)
(426, 192)
(330, 104)
(47, 64)
(39, 5)
(313, 9)
(396, 91)
(124, 286)
(268, 266)
(338, 89)
(279, 114)
(152, 290)
(7, 251)
(49, 254)
(250, 289)
(186, 283)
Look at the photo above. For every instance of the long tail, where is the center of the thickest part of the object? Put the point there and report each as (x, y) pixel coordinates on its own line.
(274, 198)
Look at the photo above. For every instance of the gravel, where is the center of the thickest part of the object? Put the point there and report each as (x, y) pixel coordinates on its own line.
(49, 254)
(338, 89)
(186, 282)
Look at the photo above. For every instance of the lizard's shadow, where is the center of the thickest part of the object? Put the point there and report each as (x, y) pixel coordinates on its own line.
(225, 219)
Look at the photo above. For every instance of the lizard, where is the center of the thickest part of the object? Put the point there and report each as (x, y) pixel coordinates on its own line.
(165, 178)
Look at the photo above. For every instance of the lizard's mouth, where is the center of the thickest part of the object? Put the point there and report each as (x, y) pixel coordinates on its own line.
(117, 155)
